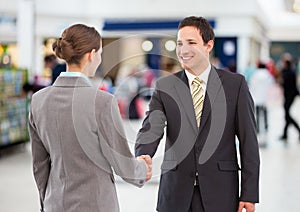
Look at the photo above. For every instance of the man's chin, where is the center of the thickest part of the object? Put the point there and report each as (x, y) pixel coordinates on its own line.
(186, 67)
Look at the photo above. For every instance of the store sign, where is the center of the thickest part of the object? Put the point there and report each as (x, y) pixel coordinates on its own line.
(8, 23)
(8, 29)
(126, 25)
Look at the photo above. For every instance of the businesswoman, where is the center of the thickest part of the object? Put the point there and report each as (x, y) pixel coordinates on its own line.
(77, 135)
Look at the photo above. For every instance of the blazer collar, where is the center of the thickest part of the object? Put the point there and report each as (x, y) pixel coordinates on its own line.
(67, 81)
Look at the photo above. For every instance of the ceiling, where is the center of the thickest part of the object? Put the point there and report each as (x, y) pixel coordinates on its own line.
(283, 21)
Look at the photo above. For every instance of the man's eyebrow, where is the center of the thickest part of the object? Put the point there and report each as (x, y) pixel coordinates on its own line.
(191, 39)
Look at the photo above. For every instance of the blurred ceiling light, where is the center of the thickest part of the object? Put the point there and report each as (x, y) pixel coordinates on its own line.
(296, 6)
(170, 45)
(229, 48)
(147, 45)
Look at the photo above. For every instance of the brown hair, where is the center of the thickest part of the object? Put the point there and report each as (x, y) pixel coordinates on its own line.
(206, 31)
(75, 42)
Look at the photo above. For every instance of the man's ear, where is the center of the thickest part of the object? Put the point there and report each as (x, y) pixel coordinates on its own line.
(210, 45)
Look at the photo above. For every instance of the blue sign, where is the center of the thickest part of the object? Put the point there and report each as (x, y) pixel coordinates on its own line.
(125, 25)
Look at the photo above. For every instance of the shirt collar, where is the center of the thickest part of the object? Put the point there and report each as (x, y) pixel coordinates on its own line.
(203, 76)
(73, 74)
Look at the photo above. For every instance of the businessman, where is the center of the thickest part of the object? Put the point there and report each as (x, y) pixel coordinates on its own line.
(203, 109)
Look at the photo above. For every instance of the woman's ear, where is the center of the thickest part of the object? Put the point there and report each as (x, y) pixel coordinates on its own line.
(91, 54)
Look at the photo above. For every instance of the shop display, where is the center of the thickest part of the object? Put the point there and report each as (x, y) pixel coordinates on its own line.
(13, 107)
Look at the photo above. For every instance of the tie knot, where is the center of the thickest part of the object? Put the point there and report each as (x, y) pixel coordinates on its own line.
(197, 81)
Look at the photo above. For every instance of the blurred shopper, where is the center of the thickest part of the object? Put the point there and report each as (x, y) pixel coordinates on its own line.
(77, 134)
(170, 66)
(56, 68)
(290, 91)
(260, 85)
(249, 71)
(203, 109)
(281, 63)
(271, 67)
(126, 91)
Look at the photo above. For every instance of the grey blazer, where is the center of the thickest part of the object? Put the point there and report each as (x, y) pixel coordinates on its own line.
(77, 141)
(210, 150)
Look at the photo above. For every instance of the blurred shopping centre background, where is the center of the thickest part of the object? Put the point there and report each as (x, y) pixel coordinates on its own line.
(246, 31)
(139, 41)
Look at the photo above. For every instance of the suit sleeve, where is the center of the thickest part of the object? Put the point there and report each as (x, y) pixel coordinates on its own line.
(115, 148)
(152, 130)
(248, 146)
(41, 159)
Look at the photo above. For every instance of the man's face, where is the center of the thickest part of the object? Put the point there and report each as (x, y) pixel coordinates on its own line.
(191, 51)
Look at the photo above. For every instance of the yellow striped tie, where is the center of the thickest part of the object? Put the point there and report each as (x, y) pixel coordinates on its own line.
(198, 98)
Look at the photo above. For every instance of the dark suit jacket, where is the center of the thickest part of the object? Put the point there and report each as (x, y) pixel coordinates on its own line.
(210, 150)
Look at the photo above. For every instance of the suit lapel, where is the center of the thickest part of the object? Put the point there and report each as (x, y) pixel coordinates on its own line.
(212, 90)
(184, 93)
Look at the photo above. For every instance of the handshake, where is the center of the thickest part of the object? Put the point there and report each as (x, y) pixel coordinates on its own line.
(148, 161)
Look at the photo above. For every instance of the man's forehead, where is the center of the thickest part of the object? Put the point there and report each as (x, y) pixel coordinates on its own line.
(188, 34)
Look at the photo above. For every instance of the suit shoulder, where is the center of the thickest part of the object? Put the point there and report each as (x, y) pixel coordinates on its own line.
(104, 94)
(172, 78)
(41, 93)
(104, 97)
(230, 75)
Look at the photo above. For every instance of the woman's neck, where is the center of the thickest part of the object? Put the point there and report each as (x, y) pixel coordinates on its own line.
(74, 68)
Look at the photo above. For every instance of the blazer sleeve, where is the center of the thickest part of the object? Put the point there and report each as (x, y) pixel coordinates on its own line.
(41, 159)
(152, 129)
(248, 146)
(115, 148)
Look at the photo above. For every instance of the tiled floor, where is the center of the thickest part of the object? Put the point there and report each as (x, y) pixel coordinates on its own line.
(280, 173)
